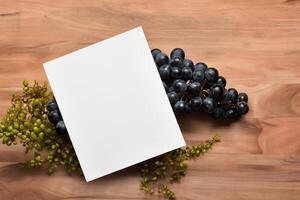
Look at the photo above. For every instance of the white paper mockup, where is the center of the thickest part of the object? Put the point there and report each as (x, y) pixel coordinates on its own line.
(114, 104)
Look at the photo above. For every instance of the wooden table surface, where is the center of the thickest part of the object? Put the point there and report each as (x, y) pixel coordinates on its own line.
(254, 44)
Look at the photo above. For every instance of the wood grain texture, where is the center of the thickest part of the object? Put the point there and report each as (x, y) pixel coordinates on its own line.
(255, 45)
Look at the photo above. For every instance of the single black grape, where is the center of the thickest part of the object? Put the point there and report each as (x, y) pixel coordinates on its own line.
(232, 94)
(52, 105)
(175, 73)
(211, 74)
(180, 86)
(154, 52)
(188, 63)
(231, 115)
(243, 97)
(218, 113)
(60, 127)
(208, 105)
(180, 106)
(54, 116)
(221, 81)
(177, 52)
(186, 73)
(216, 92)
(165, 72)
(200, 67)
(196, 103)
(198, 75)
(176, 62)
(194, 88)
(173, 97)
(161, 59)
(242, 107)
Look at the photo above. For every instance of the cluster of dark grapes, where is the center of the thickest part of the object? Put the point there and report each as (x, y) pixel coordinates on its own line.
(194, 87)
(55, 117)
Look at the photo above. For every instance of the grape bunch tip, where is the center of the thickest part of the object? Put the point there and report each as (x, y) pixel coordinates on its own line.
(197, 87)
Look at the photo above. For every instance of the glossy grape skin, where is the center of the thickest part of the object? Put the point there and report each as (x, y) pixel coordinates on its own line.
(180, 86)
(176, 62)
(198, 75)
(242, 107)
(186, 73)
(243, 97)
(194, 88)
(52, 105)
(180, 106)
(211, 74)
(165, 72)
(200, 67)
(196, 103)
(231, 115)
(216, 92)
(232, 94)
(161, 59)
(177, 52)
(188, 63)
(154, 52)
(173, 97)
(208, 105)
(175, 73)
(61, 128)
(221, 81)
(54, 116)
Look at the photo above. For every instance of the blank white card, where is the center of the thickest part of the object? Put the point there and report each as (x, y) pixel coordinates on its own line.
(114, 104)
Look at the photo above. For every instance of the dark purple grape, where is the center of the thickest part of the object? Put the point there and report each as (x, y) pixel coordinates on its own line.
(175, 73)
(208, 105)
(232, 94)
(231, 115)
(211, 74)
(196, 103)
(165, 72)
(173, 97)
(216, 92)
(218, 113)
(188, 63)
(194, 89)
(177, 52)
(176, 62)
(198, 75)
(180, 86)
(54, 116)
(221, 81)
(161, 59)
(52, 105)
(200, 67)
(154, 52)
(180, 106)
(60, 127)
(242, 107)
(186, 73)
(243, 97)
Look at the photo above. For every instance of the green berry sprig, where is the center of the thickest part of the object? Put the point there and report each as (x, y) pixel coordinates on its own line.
(170, 167)
(26, 122)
